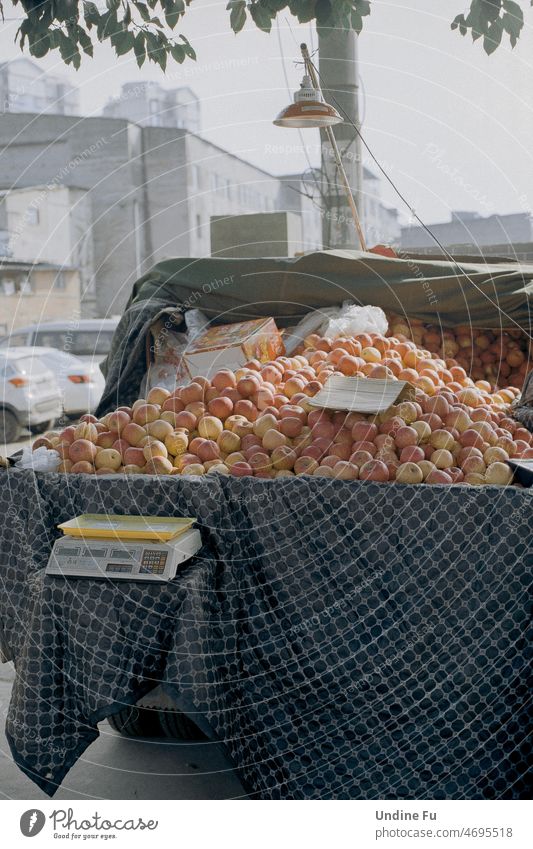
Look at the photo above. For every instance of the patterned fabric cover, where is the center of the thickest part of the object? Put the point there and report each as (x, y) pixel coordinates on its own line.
(343, 640)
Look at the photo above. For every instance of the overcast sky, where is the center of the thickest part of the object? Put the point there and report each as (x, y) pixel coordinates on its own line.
(453, 126)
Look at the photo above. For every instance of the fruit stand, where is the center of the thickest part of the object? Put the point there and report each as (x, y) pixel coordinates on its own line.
(340, 636)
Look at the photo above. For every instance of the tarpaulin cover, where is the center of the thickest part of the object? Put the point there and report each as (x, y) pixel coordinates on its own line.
(495, 294)
(347, 640)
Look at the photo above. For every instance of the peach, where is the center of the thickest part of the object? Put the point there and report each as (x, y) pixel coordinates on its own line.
(224, 378)
(120, 445)
(176, 443)
(305, 466)
(82, 467)
(88, 417)
(241, 469)
(105, 439)
(220, 407)
(364, 432)
(155, 449)
(158, 395)
(208, 450)
(82, 450)
(133, 469)
(283, 457)
(192, 392)
(186, 419)
(108, 458)
(158, 465)
(374, 470)
(117, 421)
(210, 427)
(244, 407)
(87, 431)
(474, 465)
(406, 436)
(228, 442)
(442, 439)
(68, 434)
(412, 454)
(273, 439)
(134, 457)
(133, 433)
(145, 414)
(438, 477)
(172, 405)
(442, 458)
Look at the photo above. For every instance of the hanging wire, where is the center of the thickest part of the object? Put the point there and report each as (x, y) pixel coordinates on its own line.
(411, 209)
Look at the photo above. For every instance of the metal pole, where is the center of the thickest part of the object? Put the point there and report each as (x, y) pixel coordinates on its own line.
(337, 50)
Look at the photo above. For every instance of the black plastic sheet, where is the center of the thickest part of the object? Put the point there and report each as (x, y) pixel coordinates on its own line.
(344, 640)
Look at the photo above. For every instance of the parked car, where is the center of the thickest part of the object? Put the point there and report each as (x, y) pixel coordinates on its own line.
(81, 383)
(29, 394)
(88, 338)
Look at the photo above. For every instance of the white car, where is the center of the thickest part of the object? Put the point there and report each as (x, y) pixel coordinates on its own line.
(87, 338)
(29, 394)
(81, 383)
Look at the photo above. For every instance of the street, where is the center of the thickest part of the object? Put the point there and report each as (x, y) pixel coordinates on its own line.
(116, 767)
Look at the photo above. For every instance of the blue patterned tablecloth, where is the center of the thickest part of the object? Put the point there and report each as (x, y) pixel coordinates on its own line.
(344, 640)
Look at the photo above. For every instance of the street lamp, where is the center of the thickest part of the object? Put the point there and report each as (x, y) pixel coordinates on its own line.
(309, 109)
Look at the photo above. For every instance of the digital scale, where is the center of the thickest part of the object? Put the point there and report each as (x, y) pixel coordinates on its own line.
(139, 548)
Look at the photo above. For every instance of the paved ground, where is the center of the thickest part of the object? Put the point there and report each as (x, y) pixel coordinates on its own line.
(116, 767)
(11, 447)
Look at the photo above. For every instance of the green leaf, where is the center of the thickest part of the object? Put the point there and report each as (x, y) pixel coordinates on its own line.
(493, 38)
(261, 17)
(513, 20)
(139, 49)
(124, 42)
(356, 21)
(112, 5)
(173, 12)
(177, 52)
(143, 10)
(85, 41)
(40, 46)
(237, 16)
(187, 46)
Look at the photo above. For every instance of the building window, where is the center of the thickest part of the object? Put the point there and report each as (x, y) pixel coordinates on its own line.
(60, 282)
(32, 215)
(195, 178)
(7, 286)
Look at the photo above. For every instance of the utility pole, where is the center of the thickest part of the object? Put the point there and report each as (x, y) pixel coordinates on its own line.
(337, 51)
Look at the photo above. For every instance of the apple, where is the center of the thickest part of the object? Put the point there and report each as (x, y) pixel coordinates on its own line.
(134, 457)
(105, 439)
(117, 421)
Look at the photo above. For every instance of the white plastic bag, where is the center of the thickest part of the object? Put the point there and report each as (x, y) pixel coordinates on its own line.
(353, 320)
(167, 370)
(41, 460)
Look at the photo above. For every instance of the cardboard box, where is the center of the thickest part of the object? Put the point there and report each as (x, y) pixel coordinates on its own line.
(232, 345)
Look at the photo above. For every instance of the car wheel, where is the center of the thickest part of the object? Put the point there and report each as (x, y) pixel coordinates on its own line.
(42, 427)
(134, 721)
(175, 724)
(9, 427)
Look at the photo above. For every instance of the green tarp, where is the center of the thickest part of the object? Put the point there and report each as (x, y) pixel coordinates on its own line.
(495, 294)
(485, 295)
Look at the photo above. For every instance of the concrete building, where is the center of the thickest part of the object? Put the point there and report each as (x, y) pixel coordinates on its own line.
(470, 232)
(150, 105)
(45, 254)
(151, 192)
(25, 87)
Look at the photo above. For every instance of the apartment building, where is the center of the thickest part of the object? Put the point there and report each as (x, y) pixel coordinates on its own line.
(25, 87)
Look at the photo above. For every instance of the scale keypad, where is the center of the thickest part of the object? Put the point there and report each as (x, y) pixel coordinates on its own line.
(153, 561)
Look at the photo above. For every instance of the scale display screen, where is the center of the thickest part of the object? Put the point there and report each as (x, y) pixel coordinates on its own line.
(119, 567)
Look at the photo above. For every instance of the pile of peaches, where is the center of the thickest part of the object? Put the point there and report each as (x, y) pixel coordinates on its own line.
(502, 357)
(258, 420)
